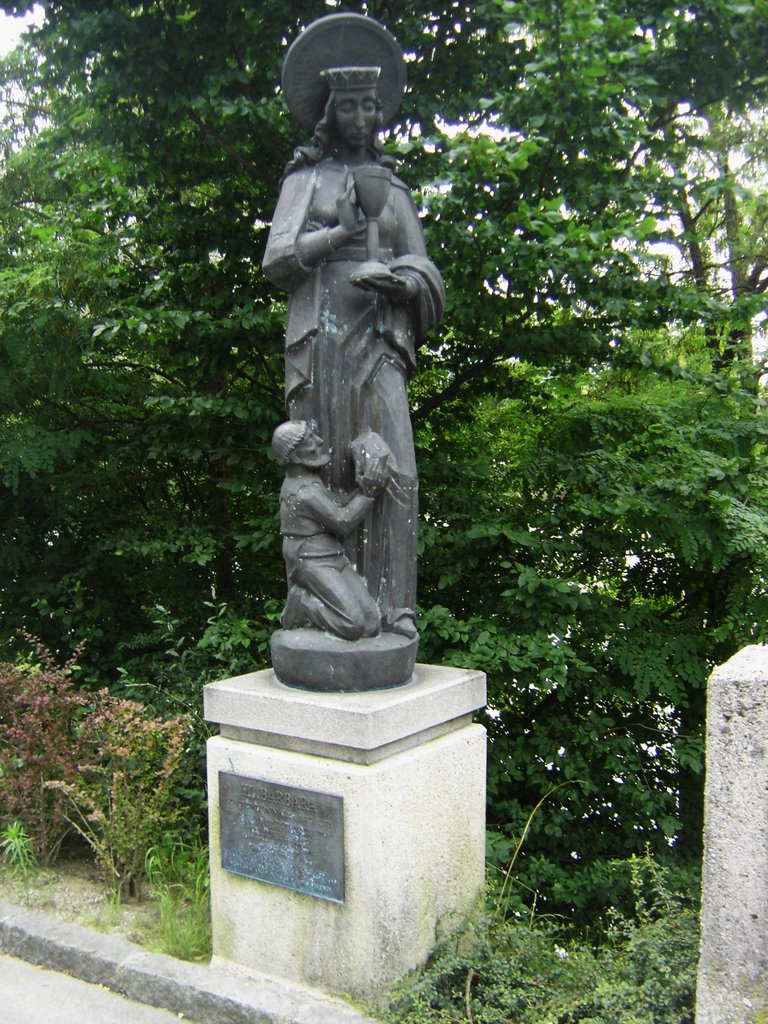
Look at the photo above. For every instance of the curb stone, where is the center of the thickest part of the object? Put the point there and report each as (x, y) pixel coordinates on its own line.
(215, 994)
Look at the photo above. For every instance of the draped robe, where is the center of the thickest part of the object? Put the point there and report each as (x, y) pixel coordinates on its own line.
(348, 355)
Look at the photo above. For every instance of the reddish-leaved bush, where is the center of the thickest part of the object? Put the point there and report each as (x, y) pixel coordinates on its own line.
(40, 742)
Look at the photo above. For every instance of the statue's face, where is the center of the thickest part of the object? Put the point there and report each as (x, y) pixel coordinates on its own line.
(310, 452)
(355, 116)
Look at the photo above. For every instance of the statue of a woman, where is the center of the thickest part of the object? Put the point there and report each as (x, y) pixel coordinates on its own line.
(362, 291)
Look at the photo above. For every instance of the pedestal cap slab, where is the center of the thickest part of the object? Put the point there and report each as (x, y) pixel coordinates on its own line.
(360, 727)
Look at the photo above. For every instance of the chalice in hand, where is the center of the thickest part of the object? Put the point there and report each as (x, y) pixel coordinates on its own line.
(372, 182)
(372, 189)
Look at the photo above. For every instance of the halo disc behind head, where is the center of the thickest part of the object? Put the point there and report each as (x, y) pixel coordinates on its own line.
(340, 40)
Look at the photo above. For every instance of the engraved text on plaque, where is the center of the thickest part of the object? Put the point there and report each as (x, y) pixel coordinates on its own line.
(282, 835)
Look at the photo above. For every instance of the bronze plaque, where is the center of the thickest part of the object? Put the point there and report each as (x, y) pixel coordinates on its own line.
(282, 835)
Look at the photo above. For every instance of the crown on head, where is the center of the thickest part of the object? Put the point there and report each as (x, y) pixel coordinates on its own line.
(351, 78)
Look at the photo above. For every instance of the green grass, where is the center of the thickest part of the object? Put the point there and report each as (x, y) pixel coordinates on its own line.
(18, 851)
(179, 876)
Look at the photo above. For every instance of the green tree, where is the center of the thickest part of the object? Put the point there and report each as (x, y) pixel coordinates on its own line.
(141, 354)
(589, 416)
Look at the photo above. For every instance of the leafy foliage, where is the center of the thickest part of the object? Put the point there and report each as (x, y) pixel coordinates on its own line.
(124, 798)
(597, 593)
(165, 668)
(40, 711)
(640, 970)
(96, 764)
(589, 418)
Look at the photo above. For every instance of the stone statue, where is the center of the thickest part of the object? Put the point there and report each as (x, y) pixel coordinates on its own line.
(347, 245)
(324, 590)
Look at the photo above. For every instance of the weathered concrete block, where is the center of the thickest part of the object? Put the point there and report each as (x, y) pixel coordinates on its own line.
(413, 792)
(733, 967)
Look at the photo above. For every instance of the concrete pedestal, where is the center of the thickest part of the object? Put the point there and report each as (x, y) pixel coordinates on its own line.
(406, 770)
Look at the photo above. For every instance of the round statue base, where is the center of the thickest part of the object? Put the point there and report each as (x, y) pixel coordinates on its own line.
(312, 660)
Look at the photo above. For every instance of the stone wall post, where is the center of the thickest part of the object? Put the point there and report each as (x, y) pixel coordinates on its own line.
(733, 967)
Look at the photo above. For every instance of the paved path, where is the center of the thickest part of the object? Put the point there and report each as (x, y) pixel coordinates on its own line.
(219, 993)
(31, 995)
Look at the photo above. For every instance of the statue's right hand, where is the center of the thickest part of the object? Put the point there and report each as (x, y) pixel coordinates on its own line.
(350, 216)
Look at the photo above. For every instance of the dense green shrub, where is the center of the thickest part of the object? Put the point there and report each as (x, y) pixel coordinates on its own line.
(635, 968)
(124, 798)
(166, 668)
